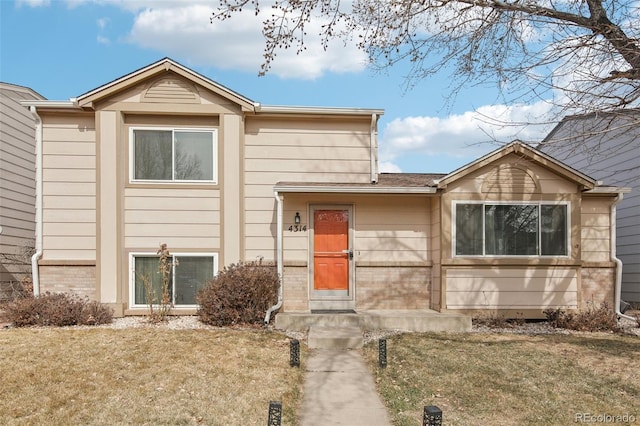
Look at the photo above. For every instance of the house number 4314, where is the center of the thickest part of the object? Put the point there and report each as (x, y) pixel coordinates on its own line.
(298, 228)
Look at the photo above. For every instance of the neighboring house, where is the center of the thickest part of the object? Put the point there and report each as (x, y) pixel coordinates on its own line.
(17, 183)
(165, 155)
(607, 147)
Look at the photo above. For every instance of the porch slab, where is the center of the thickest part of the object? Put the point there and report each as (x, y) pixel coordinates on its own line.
(407, 320)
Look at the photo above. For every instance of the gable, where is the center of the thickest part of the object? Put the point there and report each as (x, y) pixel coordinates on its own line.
(163, 82)
(512, 177)
(519, 155)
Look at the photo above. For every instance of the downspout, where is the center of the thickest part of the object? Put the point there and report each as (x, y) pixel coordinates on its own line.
(279, 257)
(373, 148)
(35, 271)
(618, 262)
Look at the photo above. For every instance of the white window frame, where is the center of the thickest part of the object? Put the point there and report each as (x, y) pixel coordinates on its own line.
(132, 274)
(214, 159)
(454, 247)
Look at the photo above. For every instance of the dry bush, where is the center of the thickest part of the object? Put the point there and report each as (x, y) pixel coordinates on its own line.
(160, 305)
(495, 321)
(12, 290)
(240, 294)
(57, 309)
(601, 318)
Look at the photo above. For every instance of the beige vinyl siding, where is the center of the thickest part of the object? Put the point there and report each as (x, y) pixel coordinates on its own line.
(383, 234)
(183, 218)
(386, 233)
(596, 234)
(17, 180)
(506, 288)
(69, 187)
(298, 150)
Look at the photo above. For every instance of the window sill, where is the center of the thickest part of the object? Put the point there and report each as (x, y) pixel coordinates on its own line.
(510, 261)
(171, 185)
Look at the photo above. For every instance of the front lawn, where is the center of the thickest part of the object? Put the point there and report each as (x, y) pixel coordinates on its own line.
(509, 379)
(144, 376)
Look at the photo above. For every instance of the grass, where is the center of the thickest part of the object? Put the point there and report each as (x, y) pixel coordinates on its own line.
(503, 379)
(145, 376)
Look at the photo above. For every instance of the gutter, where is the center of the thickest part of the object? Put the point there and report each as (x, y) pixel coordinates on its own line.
(373, 147)
(279, 257)
(35, 270)
(618, 262)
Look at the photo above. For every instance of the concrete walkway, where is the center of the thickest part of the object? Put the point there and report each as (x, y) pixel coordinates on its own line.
(339, 390)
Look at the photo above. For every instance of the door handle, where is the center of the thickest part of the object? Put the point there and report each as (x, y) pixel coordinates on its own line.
(350, 253)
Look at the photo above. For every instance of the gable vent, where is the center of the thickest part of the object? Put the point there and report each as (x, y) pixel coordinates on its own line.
(511, 179)
(171, 90)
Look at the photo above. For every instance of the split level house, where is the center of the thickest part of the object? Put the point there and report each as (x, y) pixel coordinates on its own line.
(164, 155)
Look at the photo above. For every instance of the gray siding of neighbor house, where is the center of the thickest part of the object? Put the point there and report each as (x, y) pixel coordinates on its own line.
(607, 148)
(17, 180)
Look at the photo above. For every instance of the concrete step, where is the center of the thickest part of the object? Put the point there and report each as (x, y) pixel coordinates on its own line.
(302, 321)
(407, 320)
(335, 337)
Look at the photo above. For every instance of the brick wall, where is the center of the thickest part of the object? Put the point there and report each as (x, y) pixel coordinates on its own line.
(76, 279)
(295, 289)
(598, 286)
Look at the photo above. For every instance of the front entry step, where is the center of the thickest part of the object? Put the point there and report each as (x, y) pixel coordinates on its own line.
(335, 337)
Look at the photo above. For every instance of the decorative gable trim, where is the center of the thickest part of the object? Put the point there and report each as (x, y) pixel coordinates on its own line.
(511, 178)
(171, 90)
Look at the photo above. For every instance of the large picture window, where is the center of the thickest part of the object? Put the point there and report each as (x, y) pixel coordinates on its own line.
(484, 229)
(189, 272)
(178, 155)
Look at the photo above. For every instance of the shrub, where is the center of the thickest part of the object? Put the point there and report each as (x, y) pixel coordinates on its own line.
(12, 290)
(240, 294)
(160, 305)
(57, 309)
(602, 318)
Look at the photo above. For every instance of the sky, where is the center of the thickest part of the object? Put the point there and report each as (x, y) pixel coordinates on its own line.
(64, 48)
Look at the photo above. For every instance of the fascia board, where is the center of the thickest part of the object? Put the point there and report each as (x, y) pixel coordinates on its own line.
(354, 190)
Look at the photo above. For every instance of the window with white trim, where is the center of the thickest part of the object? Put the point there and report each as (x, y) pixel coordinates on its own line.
(173, 155)
(189, 272)
(515, 229)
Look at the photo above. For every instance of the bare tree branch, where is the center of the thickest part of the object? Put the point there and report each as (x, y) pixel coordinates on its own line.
(585, 52)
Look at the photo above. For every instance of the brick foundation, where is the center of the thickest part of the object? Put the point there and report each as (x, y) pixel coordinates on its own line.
(76, 279)
(598, 285)
(295, 289)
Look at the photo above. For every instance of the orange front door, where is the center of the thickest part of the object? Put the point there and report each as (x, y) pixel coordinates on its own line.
(331, 250)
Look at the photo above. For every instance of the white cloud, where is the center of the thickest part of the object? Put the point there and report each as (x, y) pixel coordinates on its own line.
(388, 167)
(175, 28)
(102, 23)
(33, 3)
(465, 135)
